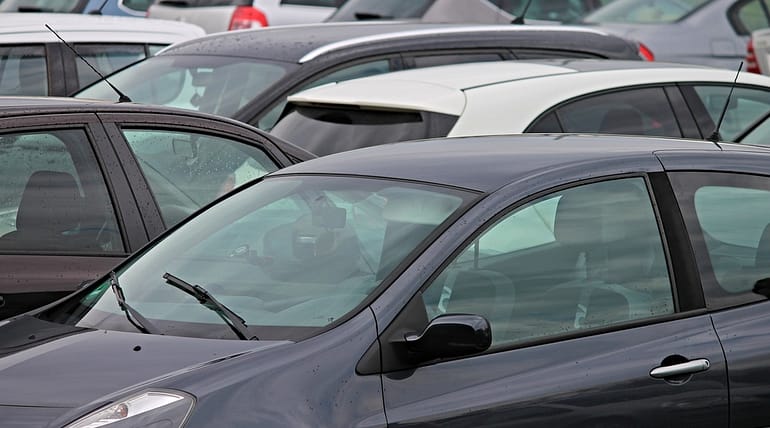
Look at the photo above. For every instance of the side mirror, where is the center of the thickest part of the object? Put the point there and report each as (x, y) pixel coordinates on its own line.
(449, 336)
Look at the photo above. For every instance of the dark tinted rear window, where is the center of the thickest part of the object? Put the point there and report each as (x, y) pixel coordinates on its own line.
(355, 10)
(327, 130)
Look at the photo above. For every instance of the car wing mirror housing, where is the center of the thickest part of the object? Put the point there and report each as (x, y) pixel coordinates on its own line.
(450, 336)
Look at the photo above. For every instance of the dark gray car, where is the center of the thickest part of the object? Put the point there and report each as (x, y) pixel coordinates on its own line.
(521, 281)
(247, 75)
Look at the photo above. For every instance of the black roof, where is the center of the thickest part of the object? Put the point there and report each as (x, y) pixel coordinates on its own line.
(293, 42)
(488, 163)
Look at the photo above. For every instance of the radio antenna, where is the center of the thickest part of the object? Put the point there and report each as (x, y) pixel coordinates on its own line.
(519, 20)
(122, 98)
(715, 137)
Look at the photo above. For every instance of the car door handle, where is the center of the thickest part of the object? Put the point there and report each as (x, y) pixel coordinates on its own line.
(689, 367)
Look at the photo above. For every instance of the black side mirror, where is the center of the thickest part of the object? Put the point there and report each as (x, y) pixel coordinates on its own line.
(449, 336)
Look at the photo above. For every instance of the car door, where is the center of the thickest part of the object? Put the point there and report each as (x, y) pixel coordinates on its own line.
(650, 110)
(591, 322)
(63, 217)
(178, 164)
(727, 214)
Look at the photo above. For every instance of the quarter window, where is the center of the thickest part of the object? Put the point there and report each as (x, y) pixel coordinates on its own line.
(187, 170)
(106, 59)
(53, 197)
(582, 258)
(23, 70)
(746, 106)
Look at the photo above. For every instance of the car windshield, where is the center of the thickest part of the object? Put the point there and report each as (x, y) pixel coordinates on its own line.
(354, 10)
(290, 255)
(42, 5)
(208, 83)
(644, 11)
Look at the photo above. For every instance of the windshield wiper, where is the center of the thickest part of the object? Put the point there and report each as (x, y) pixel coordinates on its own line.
(236, 323)
(135, 318)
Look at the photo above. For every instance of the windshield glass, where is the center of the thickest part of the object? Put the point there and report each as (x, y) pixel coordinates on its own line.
(42, 5)
(354, 10)
(212, 84)
(644, 11)
(289, 255)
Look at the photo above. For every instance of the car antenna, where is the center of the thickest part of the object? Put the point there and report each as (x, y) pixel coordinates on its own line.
(519, 20)
(715, 137)
(122, 98)
(98, 11)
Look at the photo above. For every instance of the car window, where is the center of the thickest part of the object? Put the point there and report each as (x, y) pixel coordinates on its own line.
(137, 5)
(644, 11)
(644, 111)
(53, 197)
(23, 70)
(558, 10)
(759, 134)
(730, 210)
(746, 106)
(582, 258)
(421, 61)
(187, 170)
(106, 59)
(354, 10)
(325, 3)
(371, 68)
(208, 83)
(747, 16)
(323, 130)
(42, 5)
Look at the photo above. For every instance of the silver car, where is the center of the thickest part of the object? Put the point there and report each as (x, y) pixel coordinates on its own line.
(706, 32)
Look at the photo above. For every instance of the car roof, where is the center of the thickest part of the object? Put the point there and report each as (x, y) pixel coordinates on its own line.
(78, 28)
(490, 162)
(303, 43)
(441, 89)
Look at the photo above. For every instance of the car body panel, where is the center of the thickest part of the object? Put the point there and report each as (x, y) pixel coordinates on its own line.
(761, 42)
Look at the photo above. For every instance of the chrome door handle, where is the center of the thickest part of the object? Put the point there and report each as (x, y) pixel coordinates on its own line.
(689, 367)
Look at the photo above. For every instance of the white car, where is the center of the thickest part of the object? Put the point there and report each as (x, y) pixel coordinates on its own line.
(223, 15)
(33, 61)
(571, 95)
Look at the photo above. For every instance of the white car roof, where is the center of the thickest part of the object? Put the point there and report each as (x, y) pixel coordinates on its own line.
(505, 97)
(78, 28)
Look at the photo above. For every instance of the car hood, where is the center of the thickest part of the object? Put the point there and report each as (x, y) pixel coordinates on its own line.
(59, 366)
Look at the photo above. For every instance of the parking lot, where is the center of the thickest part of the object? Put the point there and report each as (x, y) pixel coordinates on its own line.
(384, 213)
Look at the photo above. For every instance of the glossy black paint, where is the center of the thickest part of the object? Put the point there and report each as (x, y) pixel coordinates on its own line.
(29, 280)
(595, 378)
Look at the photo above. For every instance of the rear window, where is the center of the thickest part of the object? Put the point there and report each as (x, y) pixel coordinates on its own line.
(327, 130)
(645, 11)
(204, 3)
(324, 3)
(355, 10)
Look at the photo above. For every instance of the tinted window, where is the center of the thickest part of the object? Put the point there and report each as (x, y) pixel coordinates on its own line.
(42, 5)
(747, 16)
(559, 10)
(325, 3)
(323, 131)
(746, 107)
(213, 84)
(267, 121)
(354, 10)
(53, 196)
(644, 11)
(733, 247)
(106, 59)
(637, 111)
(434, 60)
(186, 171)
(138, 5)
(586, 257)
(23, 70)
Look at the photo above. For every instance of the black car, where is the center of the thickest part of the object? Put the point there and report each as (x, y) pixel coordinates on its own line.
(538, 280)
(247, 75)
(85, 183)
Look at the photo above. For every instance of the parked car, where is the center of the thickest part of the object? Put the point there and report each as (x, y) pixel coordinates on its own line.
(480, 11)
(758, 52)
(707, 32)
(87, 183)
(33, 61)
(248, 75)
(575, 95)
(222, 15)
(100, 7)
(483, 281)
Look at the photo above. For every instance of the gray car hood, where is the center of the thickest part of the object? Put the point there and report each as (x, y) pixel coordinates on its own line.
(64, 366)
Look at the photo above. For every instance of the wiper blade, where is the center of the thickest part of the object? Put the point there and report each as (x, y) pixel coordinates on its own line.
(135, 318)
(236, 323)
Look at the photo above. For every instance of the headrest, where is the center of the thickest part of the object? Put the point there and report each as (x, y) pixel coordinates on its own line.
(622, 120)
(51, 201)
